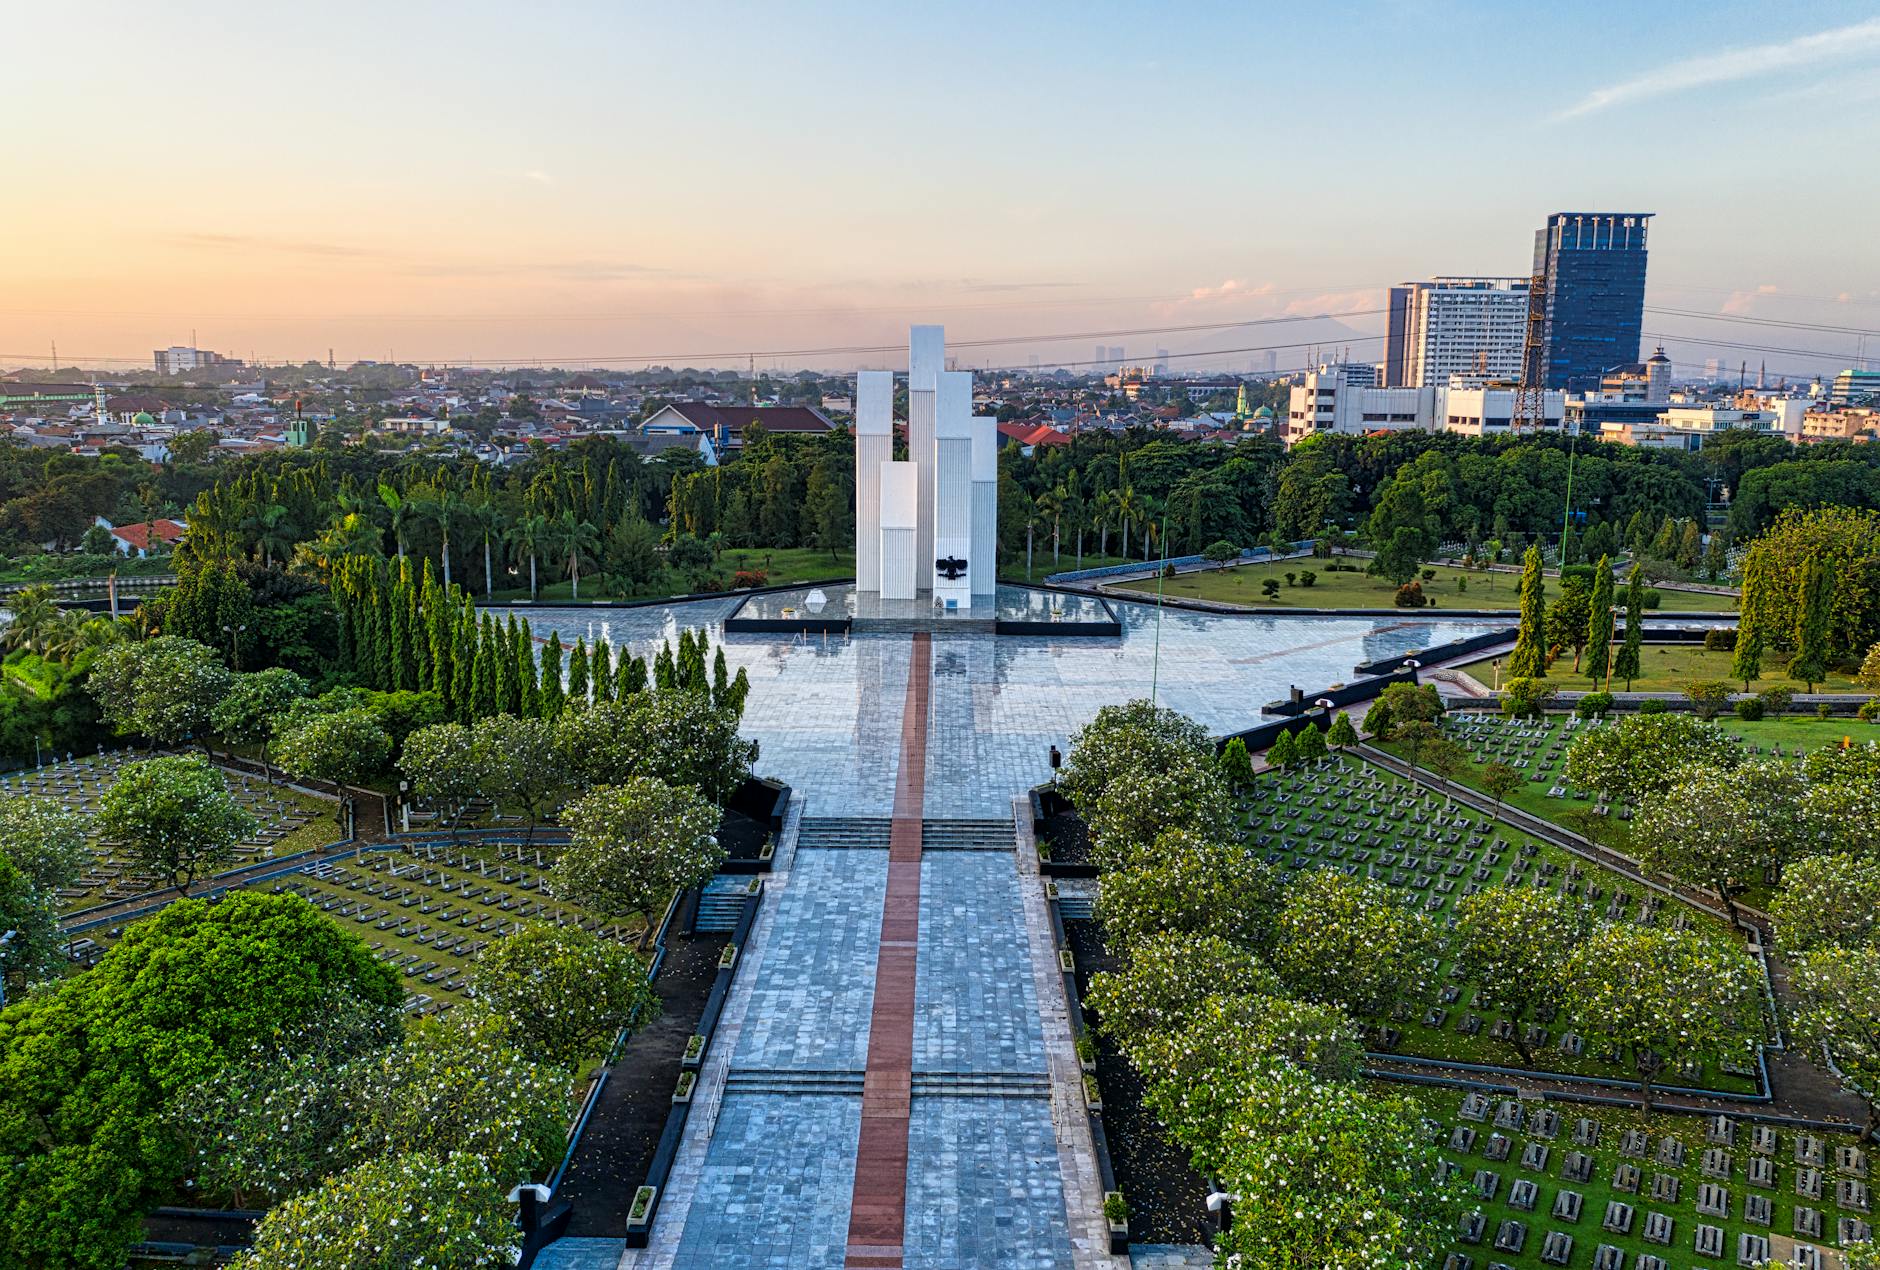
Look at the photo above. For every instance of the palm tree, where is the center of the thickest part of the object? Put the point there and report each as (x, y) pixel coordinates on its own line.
(1050, 506)
(482, 519)
(272, 532)
(526, 538)
(442, 507)
(75, 631)
(34, 615)
(1152, 524)
(1104, 508)
(576, 538)
(1128, 510)
(401, 513)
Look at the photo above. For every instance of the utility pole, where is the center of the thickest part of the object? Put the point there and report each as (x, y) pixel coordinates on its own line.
(55, 357)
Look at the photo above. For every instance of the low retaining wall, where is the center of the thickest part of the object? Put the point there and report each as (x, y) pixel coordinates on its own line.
(1251, 555)
(646, 1200)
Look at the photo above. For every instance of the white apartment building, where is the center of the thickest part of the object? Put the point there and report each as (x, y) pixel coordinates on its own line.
(1455, 326)
(1329, 402)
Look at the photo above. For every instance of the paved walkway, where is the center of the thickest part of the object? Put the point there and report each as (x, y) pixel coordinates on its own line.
(878, 1204)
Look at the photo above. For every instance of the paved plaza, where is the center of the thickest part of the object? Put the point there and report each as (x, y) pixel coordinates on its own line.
(968, 1146)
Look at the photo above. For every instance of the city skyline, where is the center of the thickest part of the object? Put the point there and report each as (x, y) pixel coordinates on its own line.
(605, 187)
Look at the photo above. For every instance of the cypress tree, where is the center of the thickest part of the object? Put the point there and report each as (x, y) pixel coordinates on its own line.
(578, 672)
(424, 648)
(664, 678)
(1529, 658)
(630, 678)
(399, 617)
(483, 672)
(1599, 622)
(1746, 663)
(529, 691)
(463, 666)
(601, 674)
(740, 689)
(1626, 665)
(691, 666)
(503, 667)
(721, 678)
(553, 697)
(1810, 663)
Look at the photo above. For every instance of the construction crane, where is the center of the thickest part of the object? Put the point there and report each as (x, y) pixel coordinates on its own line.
(1530, 399)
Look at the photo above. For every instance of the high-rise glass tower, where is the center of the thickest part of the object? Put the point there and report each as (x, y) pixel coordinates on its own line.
(1594, 263)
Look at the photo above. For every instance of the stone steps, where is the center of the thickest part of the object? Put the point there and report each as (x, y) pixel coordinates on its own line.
(926, 1084)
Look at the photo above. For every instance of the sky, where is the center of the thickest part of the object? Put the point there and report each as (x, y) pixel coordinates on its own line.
(612, 183)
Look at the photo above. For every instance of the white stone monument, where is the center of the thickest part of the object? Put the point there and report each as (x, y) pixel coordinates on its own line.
(926, 527)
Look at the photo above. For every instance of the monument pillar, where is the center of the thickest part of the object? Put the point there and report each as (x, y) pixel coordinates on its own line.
(874, 445)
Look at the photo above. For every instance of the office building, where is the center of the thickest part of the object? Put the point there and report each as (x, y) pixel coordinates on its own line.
(1455, 326)
(1855, 387)
(179, 358)
(1594, 263)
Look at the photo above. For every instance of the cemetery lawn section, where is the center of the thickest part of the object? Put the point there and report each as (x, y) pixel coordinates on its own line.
(1672, 668)
(1730, 1169)
(1348, 814)
(290, 822)
(1241, 584)
(1543, 745)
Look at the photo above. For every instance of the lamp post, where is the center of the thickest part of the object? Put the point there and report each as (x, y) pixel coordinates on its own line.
(234, 634)
(1412, 665)
(5, 939)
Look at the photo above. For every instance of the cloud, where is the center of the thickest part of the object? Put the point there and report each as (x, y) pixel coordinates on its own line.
(1743, 301)
(1333, 303)
(257, 242)
(539, 177)
(1862, 39)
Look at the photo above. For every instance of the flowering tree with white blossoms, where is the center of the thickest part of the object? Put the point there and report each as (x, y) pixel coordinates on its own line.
(1661, 996)
(456, 1084)
(1515, 944)
(631, 845)
(44, 840)
(175, 817)
(1830, 899)
(1167, 979)
(1349, 941)
(165, 688)
(447, 769)
(408, 1212)
(1839, 987)
(1125, 740)
(1192, 885)
(1720, 828)
(562, 992)
(1639, 756)
(1327, 1175)
(1128, 816)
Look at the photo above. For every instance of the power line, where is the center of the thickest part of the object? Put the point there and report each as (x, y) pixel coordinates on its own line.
(1756, 321)
(851, 349)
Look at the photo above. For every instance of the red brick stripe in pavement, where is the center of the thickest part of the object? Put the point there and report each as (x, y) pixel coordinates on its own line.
(878, 1206)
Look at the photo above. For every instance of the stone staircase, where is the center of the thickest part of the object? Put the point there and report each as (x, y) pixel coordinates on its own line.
(968, 835)
(720, 904)
(926, 1084)
(844, 831)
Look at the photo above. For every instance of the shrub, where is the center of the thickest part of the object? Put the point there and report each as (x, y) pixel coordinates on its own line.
(1462, 584)
(1749, 709)
(1776, 700)
(1526, 698)
(1115, 1208)
(1824, 711)
(1429, 575)
(1307, 578)
(1291, 578)
(1651, 597)
(1168, 570)
(1708, 696)
(1652, 706)
(745, 578)
(1721, 640)
(1594, 705)
(1870, 712)
(1270, 588)
(1409, 596)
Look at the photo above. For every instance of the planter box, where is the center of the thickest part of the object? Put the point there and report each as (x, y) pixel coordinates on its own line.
(640, 1216)
(694, 1053)
(729, 957)
(682, 1092)
(1066, 961)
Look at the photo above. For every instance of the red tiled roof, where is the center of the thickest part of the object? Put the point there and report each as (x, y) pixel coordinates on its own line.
(734, 419)
(1033, 434)
(138, 533)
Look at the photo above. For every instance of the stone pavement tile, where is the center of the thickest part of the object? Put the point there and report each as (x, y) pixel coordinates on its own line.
(975, 1009)
(814, 988)
(983, 1187)
(774, 1194)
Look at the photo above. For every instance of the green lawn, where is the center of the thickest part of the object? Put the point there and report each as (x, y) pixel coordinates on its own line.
(1452, 588)
(782, 566)
(1672, 668)
(1383, 819)
(1043, 566)
(1443, 1107)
